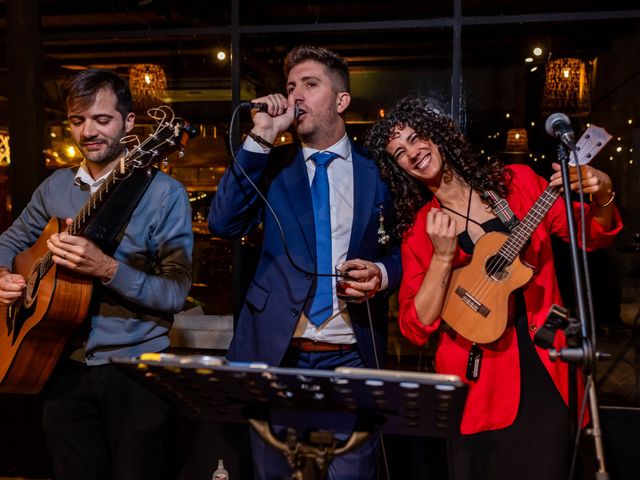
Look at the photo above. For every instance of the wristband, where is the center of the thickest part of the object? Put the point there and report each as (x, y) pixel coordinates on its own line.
(261, 141)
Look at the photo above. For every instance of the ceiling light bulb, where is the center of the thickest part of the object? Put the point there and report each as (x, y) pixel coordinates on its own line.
(537, 51)
(221, 55)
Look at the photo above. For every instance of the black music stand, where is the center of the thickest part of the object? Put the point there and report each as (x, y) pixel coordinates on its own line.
(388, 401)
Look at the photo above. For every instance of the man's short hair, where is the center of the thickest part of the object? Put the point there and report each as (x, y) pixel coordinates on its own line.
(80, 90)
(334, 63)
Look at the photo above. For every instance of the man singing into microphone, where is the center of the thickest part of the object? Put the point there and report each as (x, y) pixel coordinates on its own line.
(328, 196)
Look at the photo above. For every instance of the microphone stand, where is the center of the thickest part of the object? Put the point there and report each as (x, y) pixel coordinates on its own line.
(580, 350)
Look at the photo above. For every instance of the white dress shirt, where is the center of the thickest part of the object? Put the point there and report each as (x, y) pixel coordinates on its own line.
(337, 328)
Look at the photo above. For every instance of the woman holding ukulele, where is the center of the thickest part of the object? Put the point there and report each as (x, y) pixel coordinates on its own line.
(515, 423)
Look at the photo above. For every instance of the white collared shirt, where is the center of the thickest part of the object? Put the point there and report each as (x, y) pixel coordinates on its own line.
(83, 176)
(337, 328)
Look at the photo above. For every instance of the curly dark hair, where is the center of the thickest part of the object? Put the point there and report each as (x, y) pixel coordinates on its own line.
(429, 121)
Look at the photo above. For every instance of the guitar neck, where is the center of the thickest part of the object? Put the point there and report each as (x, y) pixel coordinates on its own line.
(95, 202)
(522, 233)
(82, 219)
(171, 134)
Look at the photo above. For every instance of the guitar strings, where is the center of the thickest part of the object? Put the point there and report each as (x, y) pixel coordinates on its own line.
(131, 159)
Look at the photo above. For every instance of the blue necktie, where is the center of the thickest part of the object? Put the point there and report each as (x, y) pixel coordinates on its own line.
(322, 303)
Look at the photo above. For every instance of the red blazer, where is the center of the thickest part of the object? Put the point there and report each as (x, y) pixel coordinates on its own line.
(492, 402)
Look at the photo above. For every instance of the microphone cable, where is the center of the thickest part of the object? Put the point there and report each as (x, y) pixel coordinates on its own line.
(285, 246)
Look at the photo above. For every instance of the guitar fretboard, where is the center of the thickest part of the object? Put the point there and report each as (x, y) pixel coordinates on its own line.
(522, 233)
(96, 200)
(156, 146)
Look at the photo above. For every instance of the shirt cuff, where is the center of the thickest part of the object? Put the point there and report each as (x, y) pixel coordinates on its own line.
(385, 276)
(250, 145)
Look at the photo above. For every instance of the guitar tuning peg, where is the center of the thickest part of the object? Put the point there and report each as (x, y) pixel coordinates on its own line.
(165, 163)
(181, 154)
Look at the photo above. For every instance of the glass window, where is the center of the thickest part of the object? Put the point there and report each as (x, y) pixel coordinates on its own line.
(257, 12)
(507, 7)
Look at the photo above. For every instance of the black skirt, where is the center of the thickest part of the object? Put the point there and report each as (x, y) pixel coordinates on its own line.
(537, 445)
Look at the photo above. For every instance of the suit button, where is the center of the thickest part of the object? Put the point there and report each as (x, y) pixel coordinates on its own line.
(308, 276)
(294, 312)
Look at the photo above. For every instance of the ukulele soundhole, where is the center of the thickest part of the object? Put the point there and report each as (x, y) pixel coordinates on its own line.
(497, 268)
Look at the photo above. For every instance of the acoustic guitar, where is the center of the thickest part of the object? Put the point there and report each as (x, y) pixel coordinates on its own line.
(477, 302)
(55, 301)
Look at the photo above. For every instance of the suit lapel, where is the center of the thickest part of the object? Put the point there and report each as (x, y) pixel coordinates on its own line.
(364, 189)
(296, 181)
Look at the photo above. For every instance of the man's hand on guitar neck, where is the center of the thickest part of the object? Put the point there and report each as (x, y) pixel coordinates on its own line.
(11, 286)
(81, 255)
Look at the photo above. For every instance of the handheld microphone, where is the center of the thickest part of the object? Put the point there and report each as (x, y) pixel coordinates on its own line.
(259, 106)
(558, 126)
(262, 107)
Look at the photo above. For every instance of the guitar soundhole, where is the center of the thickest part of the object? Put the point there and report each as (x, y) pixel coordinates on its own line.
(11, 313)
(16, 316)
(33, 283)
(497, 268)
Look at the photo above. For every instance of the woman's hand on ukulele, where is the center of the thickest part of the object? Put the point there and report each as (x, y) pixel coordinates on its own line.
(441, 229)
(594, 181)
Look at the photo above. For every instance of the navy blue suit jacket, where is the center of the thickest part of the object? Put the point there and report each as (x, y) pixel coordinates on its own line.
(279, 291)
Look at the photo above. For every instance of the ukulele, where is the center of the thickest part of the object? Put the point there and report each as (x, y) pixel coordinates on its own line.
(477, 302)
(55, 301)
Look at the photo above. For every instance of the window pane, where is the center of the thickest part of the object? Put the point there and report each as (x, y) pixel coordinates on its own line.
(509, 7)
(258, 12)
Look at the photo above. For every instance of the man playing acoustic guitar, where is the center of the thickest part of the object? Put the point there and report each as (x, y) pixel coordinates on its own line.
(99, 423)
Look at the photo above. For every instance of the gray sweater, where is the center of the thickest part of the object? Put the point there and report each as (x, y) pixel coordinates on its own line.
(131, 313)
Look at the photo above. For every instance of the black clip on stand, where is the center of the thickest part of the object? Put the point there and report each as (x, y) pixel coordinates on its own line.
(579, 349)
(312, 403)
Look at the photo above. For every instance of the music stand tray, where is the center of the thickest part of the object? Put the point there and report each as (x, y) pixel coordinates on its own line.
(209, 388)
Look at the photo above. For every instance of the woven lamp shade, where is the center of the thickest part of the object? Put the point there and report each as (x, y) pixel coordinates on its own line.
(566, 87)
(517, 141)
(148, 84)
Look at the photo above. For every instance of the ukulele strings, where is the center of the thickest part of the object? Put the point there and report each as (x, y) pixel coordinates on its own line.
(509, 251)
